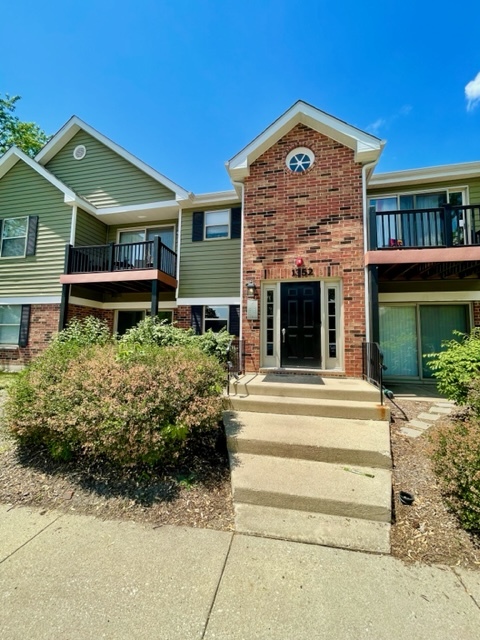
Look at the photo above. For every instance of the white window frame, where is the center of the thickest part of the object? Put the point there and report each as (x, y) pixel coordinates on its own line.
(229, 225)
(211, 306)
(12, 344)
(2, 237)
(145, 229)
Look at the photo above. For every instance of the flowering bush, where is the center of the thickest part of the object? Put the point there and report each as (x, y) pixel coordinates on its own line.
(456, 366)
(140, 409)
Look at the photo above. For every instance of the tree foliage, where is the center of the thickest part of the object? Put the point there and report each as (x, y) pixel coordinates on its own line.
(27, 136)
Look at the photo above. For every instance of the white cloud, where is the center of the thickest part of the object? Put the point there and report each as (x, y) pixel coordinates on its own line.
(385, 123)
(472, 93)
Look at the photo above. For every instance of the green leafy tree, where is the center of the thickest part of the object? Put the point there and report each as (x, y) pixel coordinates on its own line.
(27, 136)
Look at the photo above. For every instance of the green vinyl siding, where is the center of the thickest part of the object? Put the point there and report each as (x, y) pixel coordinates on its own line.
(24, 192)
(103, 177)
(115, 228)
(208, 268)
(472, 184)
(89, 230)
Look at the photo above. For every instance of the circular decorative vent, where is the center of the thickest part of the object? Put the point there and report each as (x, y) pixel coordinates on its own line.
(80, 152)
(300, 159)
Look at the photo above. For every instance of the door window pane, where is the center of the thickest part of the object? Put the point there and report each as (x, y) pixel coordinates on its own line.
(437, 324)
(398, 340)
(131, 236)
(167, 235)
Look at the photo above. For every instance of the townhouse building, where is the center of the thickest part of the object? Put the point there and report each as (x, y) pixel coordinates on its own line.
(310, 254)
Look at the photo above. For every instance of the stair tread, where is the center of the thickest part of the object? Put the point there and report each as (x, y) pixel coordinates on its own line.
(328, 402)
(306, 485)
(312, 431)
(313, 528)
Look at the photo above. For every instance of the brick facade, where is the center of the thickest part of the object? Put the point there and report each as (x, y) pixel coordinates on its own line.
(81, 312)
(43, 324)
(317, 215)
(476, 314)
(182, 317)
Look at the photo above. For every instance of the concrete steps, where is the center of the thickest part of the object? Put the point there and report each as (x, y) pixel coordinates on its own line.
(307, 485)
(363, 442)
(311, 468)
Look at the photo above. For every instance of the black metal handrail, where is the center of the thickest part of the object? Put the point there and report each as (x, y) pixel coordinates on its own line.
(235, 359)
(446, 226)
(130, 256)
(372, 364)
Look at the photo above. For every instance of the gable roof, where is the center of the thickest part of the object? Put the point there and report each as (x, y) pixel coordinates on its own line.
(367, 148)
(75, 124)
(14, 155)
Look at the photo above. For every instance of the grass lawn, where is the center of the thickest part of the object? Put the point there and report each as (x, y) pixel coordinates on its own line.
(6, 379)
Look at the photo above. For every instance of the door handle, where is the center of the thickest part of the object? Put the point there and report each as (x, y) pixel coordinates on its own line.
(284, 331)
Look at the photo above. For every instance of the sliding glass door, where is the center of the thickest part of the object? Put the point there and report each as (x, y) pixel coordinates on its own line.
(409, 332)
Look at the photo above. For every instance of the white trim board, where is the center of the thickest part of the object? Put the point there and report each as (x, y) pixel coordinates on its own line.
(30, 300)
(431, 296)
(188, 302)
(94, 304)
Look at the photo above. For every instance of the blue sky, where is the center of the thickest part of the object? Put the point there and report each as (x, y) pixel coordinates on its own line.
(185, 84)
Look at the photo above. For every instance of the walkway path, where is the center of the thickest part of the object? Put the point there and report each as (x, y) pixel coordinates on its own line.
(79, 578)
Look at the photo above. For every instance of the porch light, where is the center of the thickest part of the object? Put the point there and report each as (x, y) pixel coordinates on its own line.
(251, 289)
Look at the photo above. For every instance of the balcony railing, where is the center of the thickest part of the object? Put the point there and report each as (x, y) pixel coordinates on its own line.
(447, 226)
(131, 256)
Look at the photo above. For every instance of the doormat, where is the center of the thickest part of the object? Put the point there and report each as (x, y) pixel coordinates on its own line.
(292, 378)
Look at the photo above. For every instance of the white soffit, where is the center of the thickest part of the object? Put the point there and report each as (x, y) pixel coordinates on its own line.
(440, 173)
(367, 148)
(75, 124)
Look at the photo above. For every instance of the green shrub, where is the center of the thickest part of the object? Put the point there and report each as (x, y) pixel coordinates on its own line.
(152, 331)
(457, 366)
(142, 409)
(456, 459)
(85, 332)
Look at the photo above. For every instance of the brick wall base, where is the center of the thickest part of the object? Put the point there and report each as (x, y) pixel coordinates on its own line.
(43, 325)
(80, 313)
(182, 317)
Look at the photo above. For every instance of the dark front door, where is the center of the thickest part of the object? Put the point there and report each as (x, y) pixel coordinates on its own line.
(300, 324)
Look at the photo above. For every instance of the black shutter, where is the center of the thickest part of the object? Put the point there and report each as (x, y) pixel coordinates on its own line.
(24, 326)
(32, 235)
(1, 223)
(197, 226)
(234, 320)
(197, 317)
(236, 222)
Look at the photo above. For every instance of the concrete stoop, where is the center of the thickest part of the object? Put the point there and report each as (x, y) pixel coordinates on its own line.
(322, 479)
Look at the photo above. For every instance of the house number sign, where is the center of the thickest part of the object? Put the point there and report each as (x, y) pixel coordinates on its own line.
(302, 272)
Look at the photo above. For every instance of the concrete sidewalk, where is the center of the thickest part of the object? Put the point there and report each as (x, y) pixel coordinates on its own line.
(79, 578)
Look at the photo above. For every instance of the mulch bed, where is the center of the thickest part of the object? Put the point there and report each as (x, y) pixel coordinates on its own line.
(426, 531)
(198, 494)
(194, 494)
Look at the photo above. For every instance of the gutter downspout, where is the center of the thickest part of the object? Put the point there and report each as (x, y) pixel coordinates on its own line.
(240, 184)
(366, 222)
(73, 228)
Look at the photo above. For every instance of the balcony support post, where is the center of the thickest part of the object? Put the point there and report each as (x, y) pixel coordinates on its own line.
(157, 252)
(373, 302)
(154, 306)
(62, 320)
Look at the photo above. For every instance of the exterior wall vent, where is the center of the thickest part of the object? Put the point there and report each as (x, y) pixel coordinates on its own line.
(80, 152)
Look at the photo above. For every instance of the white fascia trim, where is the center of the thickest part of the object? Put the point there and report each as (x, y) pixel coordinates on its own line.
(30, 299)
(414, 176)
(75, 124)
(94, 304)
(431, 296)
(146, 206)
(218, 197)
(211, 301)
(13, 155)
(367, 147)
